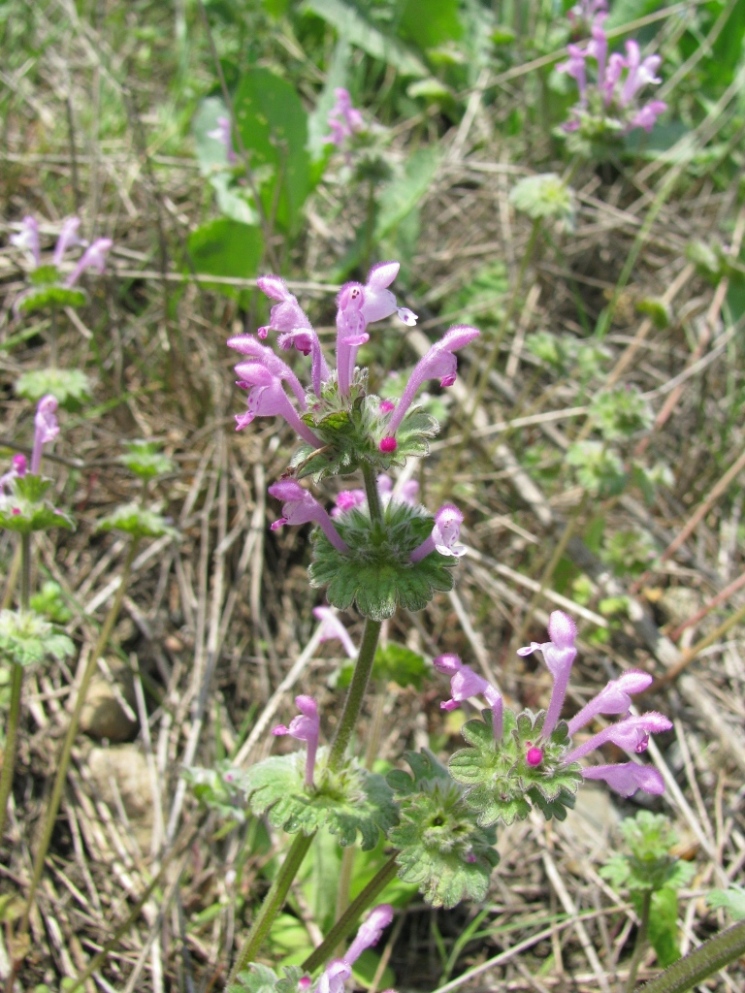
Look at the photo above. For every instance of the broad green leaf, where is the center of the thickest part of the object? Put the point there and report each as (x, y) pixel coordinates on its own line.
(428, 23)
(350, 24)
(226, 248)
(274, 131)
(404, 194)
(70, 387)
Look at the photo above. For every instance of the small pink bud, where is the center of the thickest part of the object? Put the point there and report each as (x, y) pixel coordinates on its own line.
(386, 406)
(534, 756)
(388, 445)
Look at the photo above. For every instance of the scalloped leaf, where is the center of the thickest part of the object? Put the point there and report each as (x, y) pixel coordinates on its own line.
(70, 387)
(349, 803)
(26, 638)
(137, 522)
(262, 979)
(23, 510)
(46, 295)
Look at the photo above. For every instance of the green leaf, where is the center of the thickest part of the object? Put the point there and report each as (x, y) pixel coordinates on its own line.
(70, 387)
(38, 297)
(663, 926)
(402, 195)
(732, 899)
(137, 522)
(261, 979)
(23, 510)
(351, 25)
(51, 604)
(145, 460)
(274, 131)
(219, 790)
(349, 803)
(226, 248)
(394, 663)
(441, 848)
(26, 638)
(428, 23)
(376, 574)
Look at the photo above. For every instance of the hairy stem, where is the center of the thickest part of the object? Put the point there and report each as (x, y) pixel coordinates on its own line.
(273, 903)
(16, 689)
(63, 764)
(373, 497)
(641, 941)
(356, 694)
(713, 955)
(346, 923)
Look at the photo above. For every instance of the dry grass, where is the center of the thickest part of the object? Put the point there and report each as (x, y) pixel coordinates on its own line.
(216, 625)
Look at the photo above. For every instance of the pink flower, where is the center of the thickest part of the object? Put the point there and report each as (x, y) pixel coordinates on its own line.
(28, 239)
(46, 429)
(614, 698)
(305, 727)
(627, 777)
(464, 684)
(338, 971)
(94, 257)
(267, 398)
(300, 507)
(631, 734)
(559, 655)
(444, 536)
(333, 629)
(68, 237)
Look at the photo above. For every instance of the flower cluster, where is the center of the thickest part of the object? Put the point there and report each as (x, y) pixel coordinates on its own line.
(46, 430)
(610, 86)
(47, 282)
(344, 120)
(540, 756)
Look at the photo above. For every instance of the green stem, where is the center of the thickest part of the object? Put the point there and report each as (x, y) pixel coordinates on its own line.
(641, 941)
(63, 764)
(373, 497)
(346, 923)
(356, 694)
(273, 903)
(16, 690)
(713, 955)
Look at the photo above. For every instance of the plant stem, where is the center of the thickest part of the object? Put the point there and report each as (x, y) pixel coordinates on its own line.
(713, 955)
(641, 940)
(373, 497)
(356, 694)
(16, 689)
(63, 764)
(349, 918)
(273, 903)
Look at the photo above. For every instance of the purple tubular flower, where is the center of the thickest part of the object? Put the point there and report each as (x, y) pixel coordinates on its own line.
(46, 429)
(344, 119)
(647, 116)
(246, 344)
(347, 500)
(18, 467)
(465, 683)
(444, 536)
(333, 629)
(222, 133)
(627, 777)
(300, 507)
(28, 239)
(559, 655)
(267, 398)
(68, 237)
(94, 257)
(631, 734)
(640, 72)
(295, 330)
(305, 727)
(358, 306)
(615, 698)
(338, 971)
(439, 363)
(575, 67)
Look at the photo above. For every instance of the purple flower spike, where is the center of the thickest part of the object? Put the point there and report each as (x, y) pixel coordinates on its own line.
(640, 73)
(295, 330)
(559, 655)
(631, 734)
(68, 237)
(300, 507)
(305, 727)
(439, 363)
(267, 398)
(94, 257)
(344, 119)
(444, 536)
(465, 683)
(628, 777)
(27, 239)
(46, 429)
(350, 332)
(333, 629)
(615, 698)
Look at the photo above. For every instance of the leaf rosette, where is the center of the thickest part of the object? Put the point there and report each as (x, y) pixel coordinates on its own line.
(377, 574)
(27, 639)
(349, 803)
(25, 509)
(500, 784)
(441, 848)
